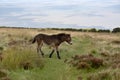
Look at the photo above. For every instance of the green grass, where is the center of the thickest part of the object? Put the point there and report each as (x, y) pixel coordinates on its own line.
(108, 74)
(16, 58)
(46, 68)
(54, 70)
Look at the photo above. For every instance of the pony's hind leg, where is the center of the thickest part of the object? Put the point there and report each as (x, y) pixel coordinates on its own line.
(41, 52)
(51, 53)
(39, 48)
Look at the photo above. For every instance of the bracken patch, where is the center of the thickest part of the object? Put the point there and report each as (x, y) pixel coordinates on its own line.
(86, 61)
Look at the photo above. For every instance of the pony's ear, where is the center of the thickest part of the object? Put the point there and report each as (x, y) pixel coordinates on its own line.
(67, 34)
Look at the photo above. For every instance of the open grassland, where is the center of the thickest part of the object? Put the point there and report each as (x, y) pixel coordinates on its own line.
(93, 56)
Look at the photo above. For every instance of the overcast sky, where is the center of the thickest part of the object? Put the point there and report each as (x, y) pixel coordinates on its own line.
(60, 13)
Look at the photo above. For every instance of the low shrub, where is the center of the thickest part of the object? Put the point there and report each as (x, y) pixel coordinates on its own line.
(1, 48)
(116, 42)
(83, 65)
(96, 62)
(86, 61)
(93, 51)
(104, 54)
(2, 73)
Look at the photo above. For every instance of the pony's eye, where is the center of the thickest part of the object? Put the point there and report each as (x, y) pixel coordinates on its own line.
(69, 39)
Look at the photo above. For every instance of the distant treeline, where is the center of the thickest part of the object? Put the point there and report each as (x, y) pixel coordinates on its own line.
(115, 30)
(16, 27)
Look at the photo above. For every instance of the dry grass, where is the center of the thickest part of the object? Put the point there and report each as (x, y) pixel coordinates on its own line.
(18, 53)
(32, 32)
(107, 74)
(15, 58)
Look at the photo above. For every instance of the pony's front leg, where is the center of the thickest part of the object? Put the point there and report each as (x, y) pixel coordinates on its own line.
(51, 53)
(58, 55)
(39, 50)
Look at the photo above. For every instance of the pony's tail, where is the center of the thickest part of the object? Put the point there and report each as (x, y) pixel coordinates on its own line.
(33, 41)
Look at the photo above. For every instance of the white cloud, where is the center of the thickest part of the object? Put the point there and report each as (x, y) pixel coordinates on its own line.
(79, 12)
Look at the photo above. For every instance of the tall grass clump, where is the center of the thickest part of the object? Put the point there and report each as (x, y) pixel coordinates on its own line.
(108, 74)
(25, 59)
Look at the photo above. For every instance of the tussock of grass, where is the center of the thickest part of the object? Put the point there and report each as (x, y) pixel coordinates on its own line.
(105, 75)
(4, 74)
(15, 59)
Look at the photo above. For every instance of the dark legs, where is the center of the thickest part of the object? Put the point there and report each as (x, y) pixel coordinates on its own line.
(56, 52)
(39, 49)
(58, 55)
(55, 49)
(51, 53)
(41, 52)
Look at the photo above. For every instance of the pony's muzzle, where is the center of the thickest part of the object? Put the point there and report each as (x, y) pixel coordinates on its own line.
(70, 43)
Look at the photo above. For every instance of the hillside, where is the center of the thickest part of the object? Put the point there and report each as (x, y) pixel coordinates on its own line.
(92, 56)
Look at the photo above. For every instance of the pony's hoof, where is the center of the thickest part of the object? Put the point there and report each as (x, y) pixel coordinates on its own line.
(59, 58)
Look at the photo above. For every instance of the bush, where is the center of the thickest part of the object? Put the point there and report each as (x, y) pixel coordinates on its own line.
(86, 61)
(1, 48)
(83, 65)
(93, 30)
(101, 30)
(2, 73)
(93, 51)
(115, 30)
(116, 42)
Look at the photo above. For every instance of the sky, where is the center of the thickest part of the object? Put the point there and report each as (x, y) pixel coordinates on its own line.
(103, 14)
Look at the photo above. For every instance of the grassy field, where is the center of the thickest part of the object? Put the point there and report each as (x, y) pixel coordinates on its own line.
(20, 61)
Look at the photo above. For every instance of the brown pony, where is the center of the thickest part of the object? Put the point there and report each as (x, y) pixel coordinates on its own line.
(52, 40)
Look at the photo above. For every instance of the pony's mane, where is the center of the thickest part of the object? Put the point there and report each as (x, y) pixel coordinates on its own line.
(61, 34)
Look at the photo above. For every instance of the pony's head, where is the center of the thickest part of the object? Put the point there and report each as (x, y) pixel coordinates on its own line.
(66, 37)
